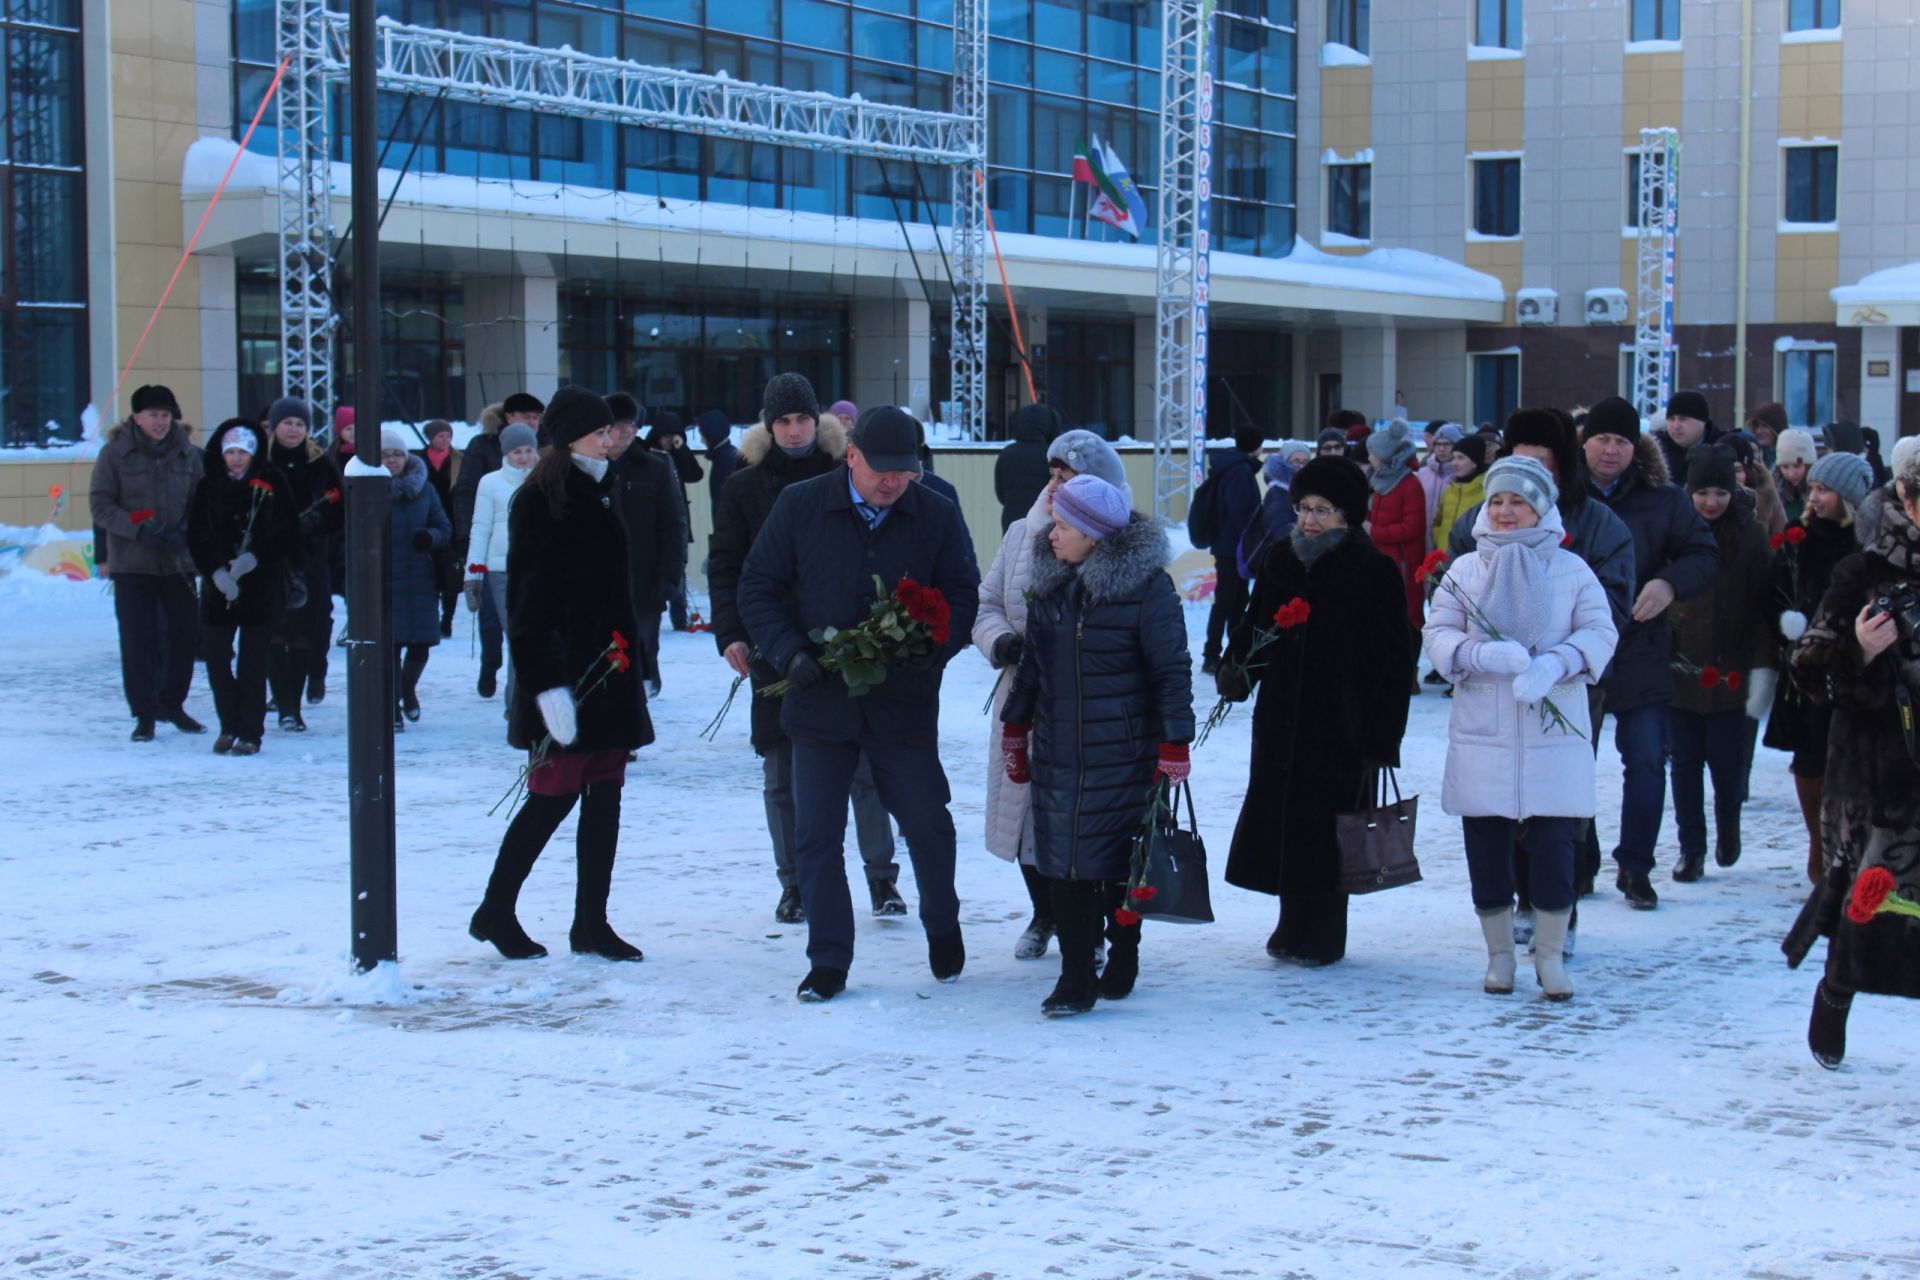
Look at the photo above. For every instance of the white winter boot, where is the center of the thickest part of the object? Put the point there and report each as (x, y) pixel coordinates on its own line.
(1497, 925)
(1549, 957)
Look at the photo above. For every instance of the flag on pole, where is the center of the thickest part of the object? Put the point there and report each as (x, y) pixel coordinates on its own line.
(1082, 171)
(1118, 175)
(1110, 205)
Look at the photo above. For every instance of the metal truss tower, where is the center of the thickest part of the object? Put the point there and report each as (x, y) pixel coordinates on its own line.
(501, 73)
(1657, 220)
(1181, 235)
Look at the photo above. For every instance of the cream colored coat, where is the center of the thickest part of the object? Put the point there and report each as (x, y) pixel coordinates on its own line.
(1003, 611)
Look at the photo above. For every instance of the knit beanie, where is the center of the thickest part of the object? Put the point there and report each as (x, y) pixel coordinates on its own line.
(624, 407)
(847, 411)
(394, 440)
(289, 407)
(1092, 506)
(1276, 468)
(1746, 451)
(239, 436)
(1613, 417)
(155, 396)
(665, 423)
(788, 393)
(1526, 477)
(713, 426)
(1710, 466)
(1689, 404)
(1903, 449)
(1088, 455)
(1847, 474)
(1450, 432)
(574, 412)
(1476, 447)
(1845, 437)
(521, 402)
(517, 436)
(1391, 443)
(1340, 481)
(1795, 444)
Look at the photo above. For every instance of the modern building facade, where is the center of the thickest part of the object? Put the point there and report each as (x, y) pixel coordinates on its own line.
(1435, 160)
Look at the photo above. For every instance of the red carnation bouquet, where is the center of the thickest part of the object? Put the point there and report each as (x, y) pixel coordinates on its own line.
(910, 623)
(1293, 613)
(609, 660)
(1710, 676)
(1873, 894)
(258, 491)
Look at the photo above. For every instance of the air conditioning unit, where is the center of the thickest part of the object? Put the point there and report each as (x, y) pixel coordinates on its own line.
(1607, 306)
(1536, 306)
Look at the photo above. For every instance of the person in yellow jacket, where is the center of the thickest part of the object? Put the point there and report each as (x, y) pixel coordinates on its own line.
(1467, 489)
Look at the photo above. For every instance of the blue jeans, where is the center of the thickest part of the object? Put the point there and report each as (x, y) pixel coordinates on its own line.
(1640, 736)
(913, 787)
(1549, 846)
(1717, 744)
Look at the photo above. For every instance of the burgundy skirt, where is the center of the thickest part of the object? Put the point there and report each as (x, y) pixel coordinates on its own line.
(568, 773)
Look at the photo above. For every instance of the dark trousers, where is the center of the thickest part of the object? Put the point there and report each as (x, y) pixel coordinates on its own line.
(1640, 735)
(491, 630)
(1313, 926)
(872, 829)
(1715, 743)
(649, 637)
(677, 606)
(320, 643)
(1549, 847)
(409, 664)
(237, 674)
(157, 617)
(1229, 602)
(596, 842)
(913, 787)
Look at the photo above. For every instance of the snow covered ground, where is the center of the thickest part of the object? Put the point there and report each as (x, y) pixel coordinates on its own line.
(195, 1087)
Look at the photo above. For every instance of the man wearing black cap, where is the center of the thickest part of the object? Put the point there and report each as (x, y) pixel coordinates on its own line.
(813, 567)
(143, 483)
(1689, 422)
(1675, 558)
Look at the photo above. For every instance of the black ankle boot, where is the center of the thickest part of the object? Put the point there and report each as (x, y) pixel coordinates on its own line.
(499, 925)
(1074, 993)
(1827, 1028)
(1078, 906)
(600, 940)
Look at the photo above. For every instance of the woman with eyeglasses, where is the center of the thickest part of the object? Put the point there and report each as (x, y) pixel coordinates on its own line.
(1332, 706)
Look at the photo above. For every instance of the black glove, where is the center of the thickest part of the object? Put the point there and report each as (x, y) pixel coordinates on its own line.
(1232, 683)
(174, 541)
(803, 672)
(310, 521)
(148, 536)
(423, 540)
(1006, 650)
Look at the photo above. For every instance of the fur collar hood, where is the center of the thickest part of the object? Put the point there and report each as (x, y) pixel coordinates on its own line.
(830, 438)
(1650, 462)
(493, 418)
(1121, 563)
(408, 484)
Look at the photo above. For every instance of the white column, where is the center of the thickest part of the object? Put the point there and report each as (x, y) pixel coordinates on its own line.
(1880, 392)
(514, 342)
(220, 342)
(1369, 370)
(892, 356)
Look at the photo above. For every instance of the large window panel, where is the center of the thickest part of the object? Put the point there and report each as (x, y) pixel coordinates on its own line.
(1056, 25)
(1655, 20)
(1496, 197)
(1813, 175)
(884, 38)
(750, 17)
(814, 22)
(1110, 29)
(44, 115)
(47, 258)
(1806, 381)
(1007, 125)
(1496, 386)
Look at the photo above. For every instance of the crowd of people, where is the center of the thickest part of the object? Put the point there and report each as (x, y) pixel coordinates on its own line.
(1705, 590)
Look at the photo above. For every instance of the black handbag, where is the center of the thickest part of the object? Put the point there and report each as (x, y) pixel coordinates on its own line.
(1167, 879)
(1376, 840)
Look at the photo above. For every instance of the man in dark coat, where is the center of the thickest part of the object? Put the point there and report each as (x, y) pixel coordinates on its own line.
(1675, 558)
(1689, 422)
(479, 459)
(792, 443)
(1021, 470)
(813, 567)
(649, 503)
(667, 438)
(1236, 502)
(143, 483)
(716, 433)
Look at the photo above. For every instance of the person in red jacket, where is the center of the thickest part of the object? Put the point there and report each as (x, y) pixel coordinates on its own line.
(1396, 512)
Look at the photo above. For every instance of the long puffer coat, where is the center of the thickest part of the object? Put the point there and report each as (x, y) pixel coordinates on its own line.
(1397, 521)
(1332, 706)
(1801, 574)
(1104, 679)
(415, 601)
(218, 519)
(568, 593)
(1506, 759)
(1870, 809)
(1003, 611)
(1729, 628)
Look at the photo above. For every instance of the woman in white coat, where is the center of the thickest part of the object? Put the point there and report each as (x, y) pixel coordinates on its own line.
(487, 545)
(998, 633)
(1517, 625)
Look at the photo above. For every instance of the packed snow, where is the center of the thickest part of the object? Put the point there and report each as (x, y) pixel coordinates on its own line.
(1895, 284)
(198, 1087)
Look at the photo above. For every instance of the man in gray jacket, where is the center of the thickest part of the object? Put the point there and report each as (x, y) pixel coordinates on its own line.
(142, 483)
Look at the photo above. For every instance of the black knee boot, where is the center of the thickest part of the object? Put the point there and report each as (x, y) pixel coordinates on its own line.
(526, 836)
(1123, 947)
(595, 845)
(1827, 1029)
(410, 672)
(1076, 915)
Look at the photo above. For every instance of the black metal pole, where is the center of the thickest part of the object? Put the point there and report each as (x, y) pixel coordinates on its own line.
(370, 674)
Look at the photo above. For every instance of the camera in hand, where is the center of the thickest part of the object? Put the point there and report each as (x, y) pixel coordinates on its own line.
(1903, 603)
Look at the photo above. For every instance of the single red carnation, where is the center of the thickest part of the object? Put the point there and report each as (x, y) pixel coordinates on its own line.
(1709, 677)
(1796, 535)
(1144, 892)
(1870, 889)
(261, 485)
(1567, 541)
(939, 633)
(141, 516)
(1125, 917)
(331, 495)
(618, 660)
(1777, 541)
(1733, 682)
(619, 642)
(1436, 560)
(476, 568)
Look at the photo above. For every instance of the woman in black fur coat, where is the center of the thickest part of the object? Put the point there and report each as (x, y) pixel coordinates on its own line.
(578, 705)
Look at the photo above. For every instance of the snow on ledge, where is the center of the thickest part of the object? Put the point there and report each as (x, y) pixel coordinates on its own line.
(1481, 237)
(1895, 284)
(1362, 156)
(1340, 55)
(1340, 240)
(1813, 35)
(1653, 46)
(1493, 53)
(1806, 228)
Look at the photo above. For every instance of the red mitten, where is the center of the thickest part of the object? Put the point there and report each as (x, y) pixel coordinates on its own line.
(1013, 750)
(1174, 764)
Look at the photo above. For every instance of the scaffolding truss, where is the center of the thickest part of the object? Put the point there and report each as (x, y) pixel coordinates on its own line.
(1656, 221)
(1181, 238)
(501, 73)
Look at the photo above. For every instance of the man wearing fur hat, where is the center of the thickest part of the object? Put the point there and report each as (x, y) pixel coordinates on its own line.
(143, 484)
(793, 442)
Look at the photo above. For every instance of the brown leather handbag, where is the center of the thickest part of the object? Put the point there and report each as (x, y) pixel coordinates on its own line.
(1376, 840)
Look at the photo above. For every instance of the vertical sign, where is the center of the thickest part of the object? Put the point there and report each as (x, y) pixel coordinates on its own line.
(1202, 240)
(1670, 226)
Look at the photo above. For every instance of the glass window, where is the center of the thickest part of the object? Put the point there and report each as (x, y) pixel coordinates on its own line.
(1060, 72)
(1007, 121)
(814, 22)
(672, 10)
(1813, 15)
(1056, 123)
(936, 47)
(1812, 178)
(1496, 23)
(1110, 29)
(879, 82)
(1348, 22)
(1656, 20)
(752, 17)
(888, 39)
(1009, 64)
(1350, 200)
(658, 45)
(42, 68)
(1057, 25)
(1009, 20)
(1496, 198)
(661, 162)
(46, 237)
(1111, 82)
(1496, 386)
(741, 173)
(1806, 381)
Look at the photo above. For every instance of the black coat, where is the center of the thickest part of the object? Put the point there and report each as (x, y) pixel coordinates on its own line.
(1022, 471)
(218, 517)
(1670, 541)
(416, 575)
(1104, 679)
(722, 458)
(1331, 708)
(745, 503)
(310, 476)
(813, 566)
(649, 505)
(943, 487)
(568, 592)
(1791, 725)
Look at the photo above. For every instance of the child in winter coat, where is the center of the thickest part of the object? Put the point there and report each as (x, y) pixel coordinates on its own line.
(1723, 666)
(487, 543)
(1103, 700)
(1520, 627)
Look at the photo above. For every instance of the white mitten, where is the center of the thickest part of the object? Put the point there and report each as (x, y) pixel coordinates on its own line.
(1793, 624)
(556, 708)
(1761, 683)
(1537, 681)
(243, 564)
(224, 583)
(1500, 658)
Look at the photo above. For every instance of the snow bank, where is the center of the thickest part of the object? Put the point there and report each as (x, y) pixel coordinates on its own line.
(1895, 284)
(382, 985)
